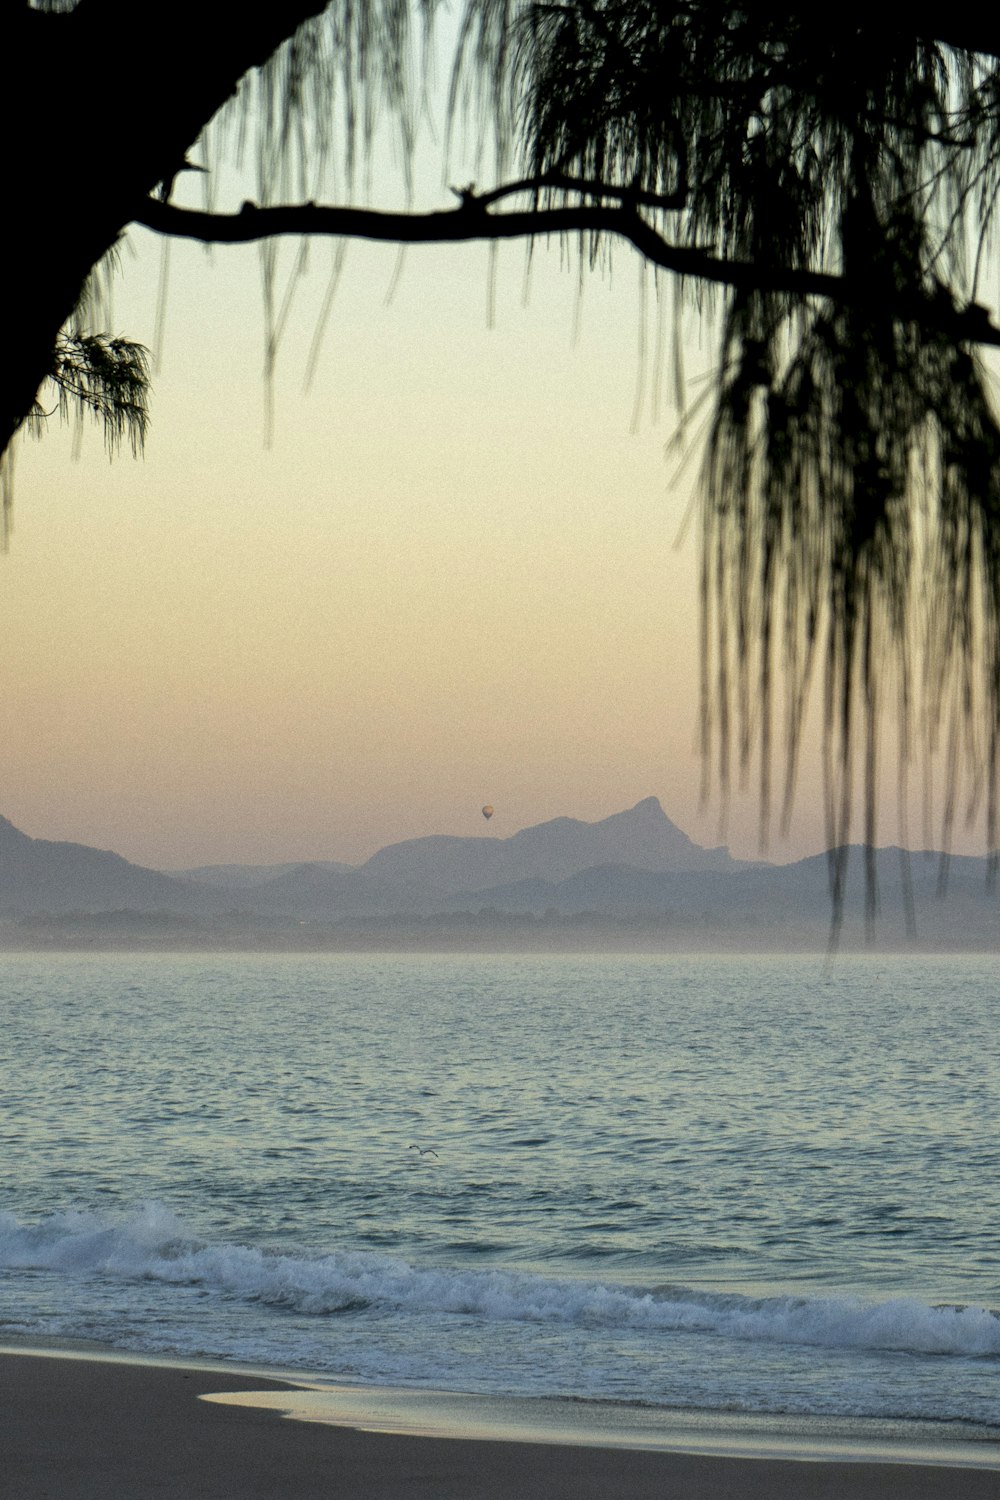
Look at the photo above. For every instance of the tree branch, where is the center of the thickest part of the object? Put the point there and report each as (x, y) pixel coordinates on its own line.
(471, 221)
(587, 187)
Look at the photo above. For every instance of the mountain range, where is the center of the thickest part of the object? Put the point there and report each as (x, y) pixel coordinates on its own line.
(632, 878)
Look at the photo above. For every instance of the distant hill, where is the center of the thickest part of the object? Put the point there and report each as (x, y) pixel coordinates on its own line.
(245, 877)
(418, 875)
(642, 837)
(634, 873)
(430, 874)
(766, 901)
(40, 875)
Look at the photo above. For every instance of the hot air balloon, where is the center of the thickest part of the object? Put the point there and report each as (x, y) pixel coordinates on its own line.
(487, 812)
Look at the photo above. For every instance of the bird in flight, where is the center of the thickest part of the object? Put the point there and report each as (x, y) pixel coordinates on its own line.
(425, 1151)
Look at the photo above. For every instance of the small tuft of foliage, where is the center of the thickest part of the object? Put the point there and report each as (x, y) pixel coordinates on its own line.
(92, 375)
(105, 378)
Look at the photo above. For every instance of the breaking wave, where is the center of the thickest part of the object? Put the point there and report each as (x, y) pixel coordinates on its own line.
(154, 1244)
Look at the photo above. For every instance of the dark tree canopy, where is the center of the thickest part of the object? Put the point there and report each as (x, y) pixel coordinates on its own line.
(822, 183)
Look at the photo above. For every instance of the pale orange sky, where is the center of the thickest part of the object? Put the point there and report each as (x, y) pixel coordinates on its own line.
(451, 579)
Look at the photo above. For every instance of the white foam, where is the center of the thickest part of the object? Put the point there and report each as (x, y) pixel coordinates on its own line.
(154, 1244)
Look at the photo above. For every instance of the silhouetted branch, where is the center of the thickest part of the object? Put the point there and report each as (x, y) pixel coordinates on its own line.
(565, 182)
(472, 221)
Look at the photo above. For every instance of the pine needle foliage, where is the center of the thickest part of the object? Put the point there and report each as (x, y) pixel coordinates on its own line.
(107, 379)
(851, 484)
(311, 113)
(92, 375)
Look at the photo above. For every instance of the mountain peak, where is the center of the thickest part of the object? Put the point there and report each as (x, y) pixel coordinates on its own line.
(642, 836)
(11, 837)
(648, 811)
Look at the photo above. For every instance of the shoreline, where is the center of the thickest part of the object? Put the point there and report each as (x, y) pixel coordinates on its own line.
(81, 1424)
(609, 941)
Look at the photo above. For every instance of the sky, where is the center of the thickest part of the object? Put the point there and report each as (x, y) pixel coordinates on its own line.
(452, 576)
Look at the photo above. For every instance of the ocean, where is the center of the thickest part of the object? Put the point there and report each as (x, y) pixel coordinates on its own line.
(760, 1187)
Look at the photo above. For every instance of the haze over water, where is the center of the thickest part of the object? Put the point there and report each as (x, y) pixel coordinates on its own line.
(754, 1185)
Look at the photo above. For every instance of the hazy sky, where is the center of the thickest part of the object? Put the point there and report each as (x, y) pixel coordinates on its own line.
(452, 578)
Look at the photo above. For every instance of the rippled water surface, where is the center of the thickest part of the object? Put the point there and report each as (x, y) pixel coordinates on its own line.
(742, 1184)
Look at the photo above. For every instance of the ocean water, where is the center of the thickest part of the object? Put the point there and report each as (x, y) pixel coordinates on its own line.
(744, 1186)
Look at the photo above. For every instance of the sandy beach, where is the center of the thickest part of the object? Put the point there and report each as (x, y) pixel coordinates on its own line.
(92, 1429)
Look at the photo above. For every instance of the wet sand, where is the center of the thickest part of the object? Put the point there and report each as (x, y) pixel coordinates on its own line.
(94, 1429)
